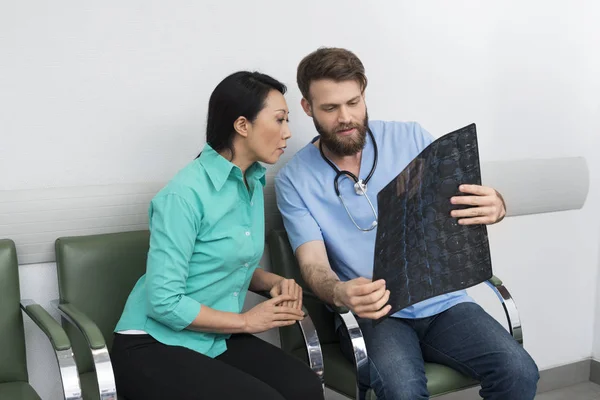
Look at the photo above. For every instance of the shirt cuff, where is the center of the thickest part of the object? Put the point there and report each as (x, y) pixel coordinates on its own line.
(184, 314)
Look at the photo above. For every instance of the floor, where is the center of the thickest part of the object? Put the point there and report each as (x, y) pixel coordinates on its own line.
(582, 391)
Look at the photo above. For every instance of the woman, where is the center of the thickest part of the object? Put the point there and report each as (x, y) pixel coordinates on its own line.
(182, 334)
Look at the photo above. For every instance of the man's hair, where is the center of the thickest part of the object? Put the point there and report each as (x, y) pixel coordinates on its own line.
(330, 63)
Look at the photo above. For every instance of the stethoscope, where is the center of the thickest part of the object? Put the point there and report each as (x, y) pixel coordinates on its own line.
(360, 186)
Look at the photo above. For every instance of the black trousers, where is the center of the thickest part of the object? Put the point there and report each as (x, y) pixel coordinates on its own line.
(251, 368)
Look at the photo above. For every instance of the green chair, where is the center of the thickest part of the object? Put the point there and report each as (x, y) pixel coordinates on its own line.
(95, 276)
(14, 383)
(340, 374)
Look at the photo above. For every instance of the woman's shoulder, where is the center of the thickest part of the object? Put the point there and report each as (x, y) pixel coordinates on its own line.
(188, 183)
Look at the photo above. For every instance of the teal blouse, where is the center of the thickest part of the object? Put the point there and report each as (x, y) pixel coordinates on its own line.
(206, 239)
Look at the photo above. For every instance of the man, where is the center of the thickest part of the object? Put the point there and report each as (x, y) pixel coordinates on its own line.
(334, 244)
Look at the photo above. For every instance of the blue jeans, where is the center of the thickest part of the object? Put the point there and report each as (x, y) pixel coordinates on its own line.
(463, 337)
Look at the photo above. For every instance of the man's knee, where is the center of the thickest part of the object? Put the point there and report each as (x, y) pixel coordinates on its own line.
(517, 373)
(409, 385)
(524, 372)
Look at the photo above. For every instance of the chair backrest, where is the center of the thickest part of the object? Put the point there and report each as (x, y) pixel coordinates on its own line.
(13, 364)
(283, 262)
(96, 274)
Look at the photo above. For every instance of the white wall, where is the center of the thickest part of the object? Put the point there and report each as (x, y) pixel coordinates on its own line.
(116, 92)
(596, 345)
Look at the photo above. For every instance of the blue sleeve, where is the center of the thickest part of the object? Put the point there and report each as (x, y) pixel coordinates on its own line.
(299, 223)
(422, 137)
(173, 231)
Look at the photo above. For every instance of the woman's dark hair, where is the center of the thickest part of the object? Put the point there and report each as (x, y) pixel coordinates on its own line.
(241, 94)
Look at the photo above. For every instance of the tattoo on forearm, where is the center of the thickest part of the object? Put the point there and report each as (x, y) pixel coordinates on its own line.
(321, 281)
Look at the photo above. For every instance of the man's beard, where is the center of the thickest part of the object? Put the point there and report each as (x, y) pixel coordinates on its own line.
(344, 145)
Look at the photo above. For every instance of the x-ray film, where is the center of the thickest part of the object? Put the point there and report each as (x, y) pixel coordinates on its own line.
(420, 250)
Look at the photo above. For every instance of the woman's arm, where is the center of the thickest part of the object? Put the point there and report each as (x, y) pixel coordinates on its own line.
(263, 281)
(264, 316)
(211, 320)
(173, 231)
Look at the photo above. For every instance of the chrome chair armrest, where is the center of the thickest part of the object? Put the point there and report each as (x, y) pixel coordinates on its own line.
(61, 346)
(510, 308)
(311, 342)
(313, 346)
(361, 361)
(97, 345)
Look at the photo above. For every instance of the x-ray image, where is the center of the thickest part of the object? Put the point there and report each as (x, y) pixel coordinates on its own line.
(420, 250)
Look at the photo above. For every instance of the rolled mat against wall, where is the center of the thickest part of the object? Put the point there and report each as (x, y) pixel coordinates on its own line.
(34, 218)
(535, 186)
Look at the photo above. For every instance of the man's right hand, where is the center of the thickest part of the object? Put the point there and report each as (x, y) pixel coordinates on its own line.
(363, 297)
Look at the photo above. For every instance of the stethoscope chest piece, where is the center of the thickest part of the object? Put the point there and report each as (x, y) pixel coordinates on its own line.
(360, 188)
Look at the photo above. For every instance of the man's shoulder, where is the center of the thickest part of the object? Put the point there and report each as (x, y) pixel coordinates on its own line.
(392, 133)
(405, 128)
(296, 164)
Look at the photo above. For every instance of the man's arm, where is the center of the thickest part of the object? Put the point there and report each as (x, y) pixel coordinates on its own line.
(365, 298)
(316, 271)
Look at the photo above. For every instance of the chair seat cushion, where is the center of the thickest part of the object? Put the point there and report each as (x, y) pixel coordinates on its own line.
(17, 391)
(442, 379)
(341, 376)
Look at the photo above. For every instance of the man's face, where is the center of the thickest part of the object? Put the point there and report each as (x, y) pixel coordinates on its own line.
(339, 113)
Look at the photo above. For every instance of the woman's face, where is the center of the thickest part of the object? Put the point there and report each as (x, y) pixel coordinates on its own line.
(268, 133)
